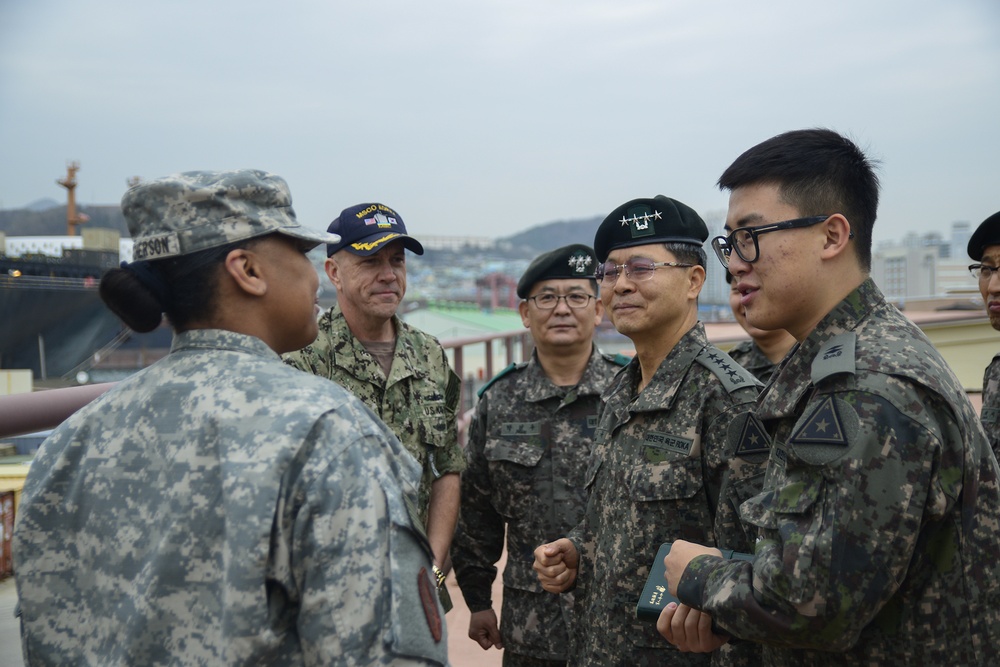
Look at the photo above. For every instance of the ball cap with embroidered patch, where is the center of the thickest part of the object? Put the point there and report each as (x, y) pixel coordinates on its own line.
(644, 221)
(986, 234)
(365, 229)
(196, 210)
(572, 261)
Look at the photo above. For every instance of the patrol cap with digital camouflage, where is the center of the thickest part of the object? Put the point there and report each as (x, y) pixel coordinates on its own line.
(196, 210)
(572, 261)
(644, 221)
(986, 234)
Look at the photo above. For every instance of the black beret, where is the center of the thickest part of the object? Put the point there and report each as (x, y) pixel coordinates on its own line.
(572, 261)
(644, 221)
(986, 234)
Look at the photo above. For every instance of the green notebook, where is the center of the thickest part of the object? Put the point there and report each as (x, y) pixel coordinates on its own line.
(655, 594)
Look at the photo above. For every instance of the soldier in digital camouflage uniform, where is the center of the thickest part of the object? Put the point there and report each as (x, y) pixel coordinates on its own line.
(529, 442)
(400, 372)
(984, 248)
(877, 525)
(764, 351)
(660, 447)
(219, 507)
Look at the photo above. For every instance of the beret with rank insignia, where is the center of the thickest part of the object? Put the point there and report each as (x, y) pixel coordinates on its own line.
(572, 261)
(645, 221)
(986, 234)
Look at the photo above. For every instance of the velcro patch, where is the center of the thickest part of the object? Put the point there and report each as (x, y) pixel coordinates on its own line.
(822, 427)
(666, 441)
(836, 356)
(160, 245)
(753, 438)
(520, 428)
(428, 600)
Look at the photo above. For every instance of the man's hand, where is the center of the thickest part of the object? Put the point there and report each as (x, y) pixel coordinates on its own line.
(681, 553)
(484, 629)
(688, 629)
(556, 564)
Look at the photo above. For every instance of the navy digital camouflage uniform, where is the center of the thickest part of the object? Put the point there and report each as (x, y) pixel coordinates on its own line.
(749, 355)
(529, 443)
(656, 476)
(221, 508)
(990, 412)
(879, 520)
(418, 401)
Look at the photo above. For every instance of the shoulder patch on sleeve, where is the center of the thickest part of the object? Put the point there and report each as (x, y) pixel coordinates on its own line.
(489, 383)
(836, 356)
(618, 359)
(731, 374)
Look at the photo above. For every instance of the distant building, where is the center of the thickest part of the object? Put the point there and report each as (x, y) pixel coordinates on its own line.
(925, 266)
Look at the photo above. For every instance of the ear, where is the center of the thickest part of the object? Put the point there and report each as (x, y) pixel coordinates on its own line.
(244, 267)
(696, 280)
(332, 271)
(522, 308)
(598, 310)
(836, 235)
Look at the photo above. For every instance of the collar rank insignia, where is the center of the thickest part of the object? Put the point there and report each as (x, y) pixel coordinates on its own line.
(822, 427)
(579, 262)
(638, 219)
(753, 438)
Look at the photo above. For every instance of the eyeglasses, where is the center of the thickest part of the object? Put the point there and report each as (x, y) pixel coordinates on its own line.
(983, 272)
(549, 301)
(636, 269)
(744, 239)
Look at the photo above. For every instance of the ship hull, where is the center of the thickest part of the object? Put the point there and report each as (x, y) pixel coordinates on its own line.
(52, 328)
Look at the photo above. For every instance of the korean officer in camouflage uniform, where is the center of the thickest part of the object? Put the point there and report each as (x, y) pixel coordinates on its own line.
(400, 372)
(529, 442)
(660, 447)
(764, 351)
(219, 507)
(878, 521)
(984, 248)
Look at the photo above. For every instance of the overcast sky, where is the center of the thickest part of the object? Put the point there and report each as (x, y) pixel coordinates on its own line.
(486, 117)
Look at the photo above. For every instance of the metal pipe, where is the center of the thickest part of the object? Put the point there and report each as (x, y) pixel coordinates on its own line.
(42, 410)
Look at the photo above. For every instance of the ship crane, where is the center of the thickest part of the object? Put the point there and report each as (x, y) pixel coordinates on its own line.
(72, 217)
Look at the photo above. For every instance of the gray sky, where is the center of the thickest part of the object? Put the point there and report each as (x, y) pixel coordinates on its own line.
(486, 117)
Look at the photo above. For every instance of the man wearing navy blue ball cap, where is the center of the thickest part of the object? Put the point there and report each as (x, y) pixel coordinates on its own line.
(400, 372)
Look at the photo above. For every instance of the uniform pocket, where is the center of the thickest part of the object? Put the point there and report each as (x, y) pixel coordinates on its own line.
(790, 523)
(512, 467)
(521, 453)
(670, 480)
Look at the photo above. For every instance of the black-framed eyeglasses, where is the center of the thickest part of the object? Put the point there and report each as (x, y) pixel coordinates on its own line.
(549, 301)
(636, 269)
(744, 239)
(983, 272)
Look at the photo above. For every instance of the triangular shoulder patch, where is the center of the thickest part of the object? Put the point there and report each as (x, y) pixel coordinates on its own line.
(731, 374)
(753, 438)
(822, 427)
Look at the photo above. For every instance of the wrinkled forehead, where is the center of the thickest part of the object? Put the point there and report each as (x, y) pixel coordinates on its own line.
(991, 255)
(654, 251)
